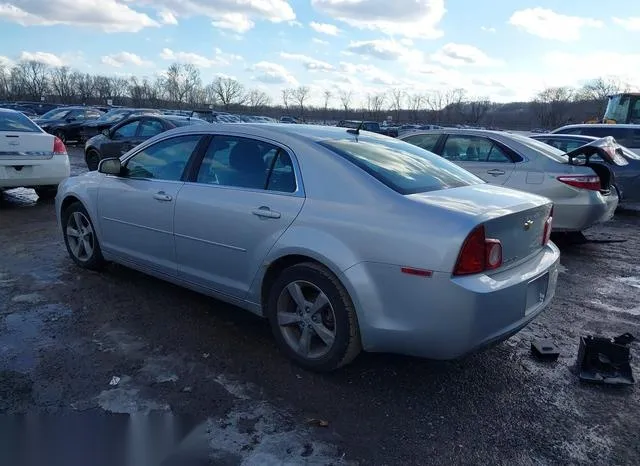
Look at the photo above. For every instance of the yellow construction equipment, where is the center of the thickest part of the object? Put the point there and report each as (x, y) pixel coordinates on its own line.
(621, 108)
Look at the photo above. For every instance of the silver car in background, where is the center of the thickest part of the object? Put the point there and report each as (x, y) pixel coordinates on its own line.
(345, 240)
(581, 190)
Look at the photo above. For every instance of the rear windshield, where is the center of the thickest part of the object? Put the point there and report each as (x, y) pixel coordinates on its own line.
(542, 147)
(403, 167)
(55, 114)
(10, 121)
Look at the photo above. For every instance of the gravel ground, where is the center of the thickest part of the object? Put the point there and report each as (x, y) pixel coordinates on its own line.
(214, 370)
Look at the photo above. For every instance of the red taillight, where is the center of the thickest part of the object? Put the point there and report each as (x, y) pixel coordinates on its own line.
(582, 182)
(546, 237)
(59, 147)
(478, 254)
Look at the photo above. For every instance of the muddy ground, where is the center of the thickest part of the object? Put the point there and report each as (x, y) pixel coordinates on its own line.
(73, 341)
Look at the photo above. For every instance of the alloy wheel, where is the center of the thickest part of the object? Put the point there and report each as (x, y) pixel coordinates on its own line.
(80, 236)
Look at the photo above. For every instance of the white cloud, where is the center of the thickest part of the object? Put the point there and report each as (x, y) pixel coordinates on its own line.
(408, 18)
(235, 22)
(325, 28)
(105, 15)
(372, 73)
(272, 73)
(462, 54)
(295, 23)
(220, 58)
(118, 60)
(488, 29)
(166, 17)
(548, 24)
(569, 68)
(315, 40)
(385, 49)
(5, 61)
(43, 57)
(235, 15)
(631, 23)
(310, 63)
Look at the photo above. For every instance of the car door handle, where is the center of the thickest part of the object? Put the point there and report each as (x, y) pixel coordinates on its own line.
(266, 212)
(495, 172)
(162, 196)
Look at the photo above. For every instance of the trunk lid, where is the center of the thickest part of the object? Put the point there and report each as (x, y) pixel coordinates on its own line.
(19, 146)
(606, 149)
(515, 218)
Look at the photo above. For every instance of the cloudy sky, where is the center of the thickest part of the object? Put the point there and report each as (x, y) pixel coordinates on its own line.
(502, 49)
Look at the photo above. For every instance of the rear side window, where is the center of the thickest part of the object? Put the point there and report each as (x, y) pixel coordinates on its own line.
(10, 121)
(405, 168)
(425, 141)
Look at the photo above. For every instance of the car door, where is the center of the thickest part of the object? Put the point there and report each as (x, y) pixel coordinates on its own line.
(241, 198)
(136, 209)
(481, 156)
(121, 139)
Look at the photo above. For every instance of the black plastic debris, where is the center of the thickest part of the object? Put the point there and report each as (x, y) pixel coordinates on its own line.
(605, 360)
(545, 350)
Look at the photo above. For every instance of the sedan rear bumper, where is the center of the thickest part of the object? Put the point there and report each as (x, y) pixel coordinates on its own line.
(33, 173)
(585, 211)
(441, 317)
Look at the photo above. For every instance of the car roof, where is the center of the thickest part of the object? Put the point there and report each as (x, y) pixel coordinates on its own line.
(463, 131)
(564, 136)
(9, 110)
(600, 125)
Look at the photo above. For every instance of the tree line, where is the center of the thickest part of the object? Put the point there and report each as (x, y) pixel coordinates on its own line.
(181, 87)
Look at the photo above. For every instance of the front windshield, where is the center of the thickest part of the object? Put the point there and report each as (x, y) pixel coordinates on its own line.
(55, 114)
(113, 115)
(617, 109)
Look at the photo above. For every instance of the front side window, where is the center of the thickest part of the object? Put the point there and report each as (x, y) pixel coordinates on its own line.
(246, 163)
(164, 160)
(77, 114)
(150, 128)
(126, 131)
(403, 167)
(425, 141)
(473, 149)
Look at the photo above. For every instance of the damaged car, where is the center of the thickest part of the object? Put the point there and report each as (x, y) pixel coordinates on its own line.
(580, 186)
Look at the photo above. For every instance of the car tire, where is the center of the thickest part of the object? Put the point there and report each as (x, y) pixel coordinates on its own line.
(83, 246)
(60, 135)
(92, 158)
(319, 337)
(46, 193)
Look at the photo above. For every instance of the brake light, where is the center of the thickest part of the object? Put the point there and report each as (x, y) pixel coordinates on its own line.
(582, 182)
(478, 254)
(546, 237)
(59, 147)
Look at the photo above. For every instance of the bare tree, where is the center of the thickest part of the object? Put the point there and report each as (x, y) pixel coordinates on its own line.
(598, 91)
(35, 76)
(182, 82)
(228, 91)
(119, 88)
(396, 96)
(476, 109)
(416, 103)
(551, 106)
(345, 97)
(84, 86)
(102, 86)
(257, 99)
(300, 95)
(62, 83)
(326, 94)
(287, 96)
(375, 102)
(5, 82)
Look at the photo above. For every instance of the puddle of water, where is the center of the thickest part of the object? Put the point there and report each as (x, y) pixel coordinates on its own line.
(25, 334)
(30, 298)
(128, 401)
(631, 281)
(634, 311)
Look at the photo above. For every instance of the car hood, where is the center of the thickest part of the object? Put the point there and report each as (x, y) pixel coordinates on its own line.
(607, 148)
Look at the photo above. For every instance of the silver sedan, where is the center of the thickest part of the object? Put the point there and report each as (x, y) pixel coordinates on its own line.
(344, 240)
(582, 194)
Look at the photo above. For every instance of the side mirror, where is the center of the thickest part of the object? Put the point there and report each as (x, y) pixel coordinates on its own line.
(110, 166)
(105, 132)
